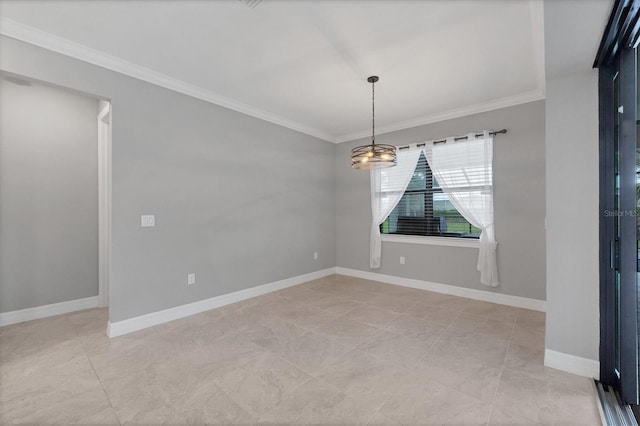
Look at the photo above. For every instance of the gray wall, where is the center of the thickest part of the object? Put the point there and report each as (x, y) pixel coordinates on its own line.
(239, 201)
(572, 214)
(48, 196)
(519, 204)
(572, 139)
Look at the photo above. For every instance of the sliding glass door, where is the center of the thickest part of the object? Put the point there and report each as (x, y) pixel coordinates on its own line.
(637, 198)
(619, 200)
(625, 256)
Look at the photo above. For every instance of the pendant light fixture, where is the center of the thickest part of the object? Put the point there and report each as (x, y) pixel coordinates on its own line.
(373, 156)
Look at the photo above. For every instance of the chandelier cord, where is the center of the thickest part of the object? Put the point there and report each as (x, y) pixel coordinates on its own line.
(372, 156)
(373, 113)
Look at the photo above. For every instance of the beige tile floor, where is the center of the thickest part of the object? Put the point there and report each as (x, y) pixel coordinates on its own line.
(337, 350)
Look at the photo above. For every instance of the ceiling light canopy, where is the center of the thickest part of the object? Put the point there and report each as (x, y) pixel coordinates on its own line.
(373, 156)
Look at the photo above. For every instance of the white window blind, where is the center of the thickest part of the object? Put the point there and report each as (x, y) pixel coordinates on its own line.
(425, 210)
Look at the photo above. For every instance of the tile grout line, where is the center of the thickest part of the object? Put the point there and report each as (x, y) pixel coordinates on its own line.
(430, 348)
(380, 409)
(437, 340)
(248, 360)
(311, 377)
(338, 391)
(82, 344)
(504, 363)
(447, 328)
(307, 331)
(381, 328)
(234, 401)
(520, 319)
(378, 327)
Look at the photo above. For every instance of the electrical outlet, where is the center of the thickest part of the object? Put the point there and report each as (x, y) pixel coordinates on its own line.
(191, 279)
(315, 255)
(402, 260)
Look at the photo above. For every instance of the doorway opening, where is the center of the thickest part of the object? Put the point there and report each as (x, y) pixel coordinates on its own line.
(55, 200)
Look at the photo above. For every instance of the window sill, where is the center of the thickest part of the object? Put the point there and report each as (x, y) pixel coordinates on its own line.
(437, 241)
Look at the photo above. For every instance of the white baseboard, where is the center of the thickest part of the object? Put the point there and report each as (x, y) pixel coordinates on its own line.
(572, 364)
(130, 325)
(486, 296)
(14, 317)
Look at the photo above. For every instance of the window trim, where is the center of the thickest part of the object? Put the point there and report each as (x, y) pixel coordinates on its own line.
(432, 240)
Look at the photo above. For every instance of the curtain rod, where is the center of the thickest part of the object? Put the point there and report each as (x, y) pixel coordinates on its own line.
(495, 132)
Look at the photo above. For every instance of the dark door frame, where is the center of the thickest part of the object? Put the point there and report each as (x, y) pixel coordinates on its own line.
(607, 294)
(617, 57)
(623, 30)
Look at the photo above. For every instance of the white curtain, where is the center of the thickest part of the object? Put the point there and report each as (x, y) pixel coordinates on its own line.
(464, 171)
(387, 188)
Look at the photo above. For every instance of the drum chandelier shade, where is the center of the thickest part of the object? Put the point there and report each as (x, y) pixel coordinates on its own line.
(373, 156)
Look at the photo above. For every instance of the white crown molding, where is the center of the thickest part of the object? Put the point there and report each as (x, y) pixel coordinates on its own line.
(130, 325)
(45, 40)
(469, 293)
(14, 317)
(536, 9)
(505, 102)
(572, 364)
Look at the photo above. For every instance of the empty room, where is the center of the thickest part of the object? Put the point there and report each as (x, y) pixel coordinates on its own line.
(384, 212)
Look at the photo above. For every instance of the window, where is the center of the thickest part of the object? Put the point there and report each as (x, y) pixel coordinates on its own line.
(416, 198)
(425, 210)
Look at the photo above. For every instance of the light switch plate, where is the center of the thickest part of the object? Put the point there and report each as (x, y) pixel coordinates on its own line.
(147, 220)
(191, 279)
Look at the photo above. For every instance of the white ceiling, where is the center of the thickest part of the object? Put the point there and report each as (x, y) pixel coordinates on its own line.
(304, 64)
(577, 33)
